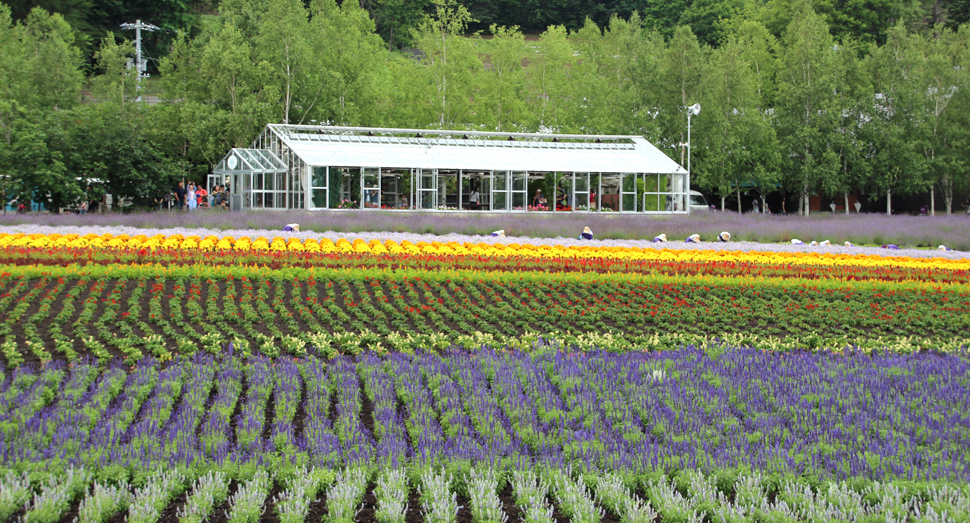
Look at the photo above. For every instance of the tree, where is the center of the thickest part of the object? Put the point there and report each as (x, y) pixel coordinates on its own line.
(348, 63)
(547, 80)
(450, 62)
(39, 76)
(853, 99)
(395, 19)
(739, 145)
(682, 71)
(898, 166)
(499, 102)
(284, 45)
(943, 76)
(116, 83)
(807, 115)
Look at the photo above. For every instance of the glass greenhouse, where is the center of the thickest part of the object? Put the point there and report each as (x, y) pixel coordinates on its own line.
(324, 167)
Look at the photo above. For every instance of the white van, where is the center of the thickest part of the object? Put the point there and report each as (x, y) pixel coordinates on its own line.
(698, 203)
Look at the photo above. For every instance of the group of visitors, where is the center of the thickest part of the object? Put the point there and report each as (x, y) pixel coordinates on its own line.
(194, 196)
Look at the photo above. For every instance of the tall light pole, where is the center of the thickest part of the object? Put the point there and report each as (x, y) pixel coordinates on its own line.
(140, 65)
(693, 110)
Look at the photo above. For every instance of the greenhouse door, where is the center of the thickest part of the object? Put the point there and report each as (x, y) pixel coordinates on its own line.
(520, 187)
(427, 189)
(580, 192)
(370, 187)
(500, 190)
(628, 192)
(319, 188)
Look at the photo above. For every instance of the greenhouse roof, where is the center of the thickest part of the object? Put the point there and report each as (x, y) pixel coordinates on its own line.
(470, 150)
(250, 160)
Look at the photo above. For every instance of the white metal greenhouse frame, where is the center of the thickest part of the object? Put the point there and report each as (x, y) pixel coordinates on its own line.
(325, 167)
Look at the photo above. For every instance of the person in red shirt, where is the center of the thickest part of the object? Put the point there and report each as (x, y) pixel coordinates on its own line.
(200, 195)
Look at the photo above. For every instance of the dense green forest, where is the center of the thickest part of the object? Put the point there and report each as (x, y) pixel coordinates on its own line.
(822, 97)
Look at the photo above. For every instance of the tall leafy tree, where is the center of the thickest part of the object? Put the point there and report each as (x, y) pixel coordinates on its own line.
(740, 149)
(39, 76)
(547, 80)
(897, 163)
(349, 60)
(682, 69)
(451, 62)
(500, 100)
(853, 96)
(283, 43)
(807, 115)
(943, 76)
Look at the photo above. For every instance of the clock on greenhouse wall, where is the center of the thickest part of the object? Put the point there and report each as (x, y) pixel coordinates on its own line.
(232, 162)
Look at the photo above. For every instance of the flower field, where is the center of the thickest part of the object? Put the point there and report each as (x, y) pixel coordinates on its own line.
(172, 377)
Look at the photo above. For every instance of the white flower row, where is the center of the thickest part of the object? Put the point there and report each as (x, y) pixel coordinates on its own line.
(486, 507)
(209, 491)
(149, 501)
(247, 503)
(530, 493)
(344, 499)
(439, 501)
(392, 497)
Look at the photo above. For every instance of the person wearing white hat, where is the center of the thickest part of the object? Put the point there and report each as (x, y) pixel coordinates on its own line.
(292, 227)
(813, 243)
(498, 234)
(848, 244)
(825, 243)
(796, 241)
(693, 238)
(660, 238)
(724, 237)
(587, 234)
(944, 248)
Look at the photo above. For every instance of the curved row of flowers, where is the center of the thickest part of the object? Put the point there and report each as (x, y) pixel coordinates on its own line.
(377, 247)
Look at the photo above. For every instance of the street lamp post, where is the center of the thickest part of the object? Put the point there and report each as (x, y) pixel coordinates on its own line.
(693, 110)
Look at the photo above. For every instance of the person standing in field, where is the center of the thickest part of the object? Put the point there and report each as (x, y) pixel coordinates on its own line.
(190, 197)
(180, 194)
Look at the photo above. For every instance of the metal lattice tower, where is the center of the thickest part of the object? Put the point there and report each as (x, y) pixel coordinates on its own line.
(140, 64)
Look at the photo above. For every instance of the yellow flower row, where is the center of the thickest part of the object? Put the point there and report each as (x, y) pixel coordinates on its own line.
(325, 245)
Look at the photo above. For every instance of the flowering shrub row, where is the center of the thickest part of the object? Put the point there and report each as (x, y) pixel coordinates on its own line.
(809, 415)
(134, 311)
(280, 244)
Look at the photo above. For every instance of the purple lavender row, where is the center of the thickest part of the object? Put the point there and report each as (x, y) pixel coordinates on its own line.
(214, 435)
(177, 442)
(481, 404)
(464, 441)
(141, 443)
(75, 428)
(392, 446)
(356, 441)
(841, 416)
(251, 419)
(287, 396)
(318, 434)
(420, 419)
(34, 433)
(517, 407)
(32, 389)
(13, 422)
(106, 436)
(593, 439)
(21, 382)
